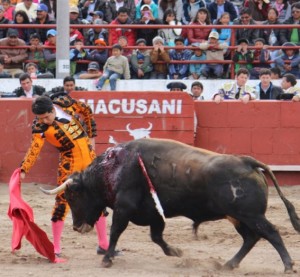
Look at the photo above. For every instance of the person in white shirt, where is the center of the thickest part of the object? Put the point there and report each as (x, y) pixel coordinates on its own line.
(27, 89)
(29, 7)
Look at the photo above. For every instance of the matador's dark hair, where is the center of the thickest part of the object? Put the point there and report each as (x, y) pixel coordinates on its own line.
(41, 105)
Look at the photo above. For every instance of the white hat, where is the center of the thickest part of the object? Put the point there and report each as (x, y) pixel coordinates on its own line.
(145, 6)
(214, 34)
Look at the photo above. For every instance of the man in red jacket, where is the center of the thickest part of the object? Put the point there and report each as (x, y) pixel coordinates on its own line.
(122, 18)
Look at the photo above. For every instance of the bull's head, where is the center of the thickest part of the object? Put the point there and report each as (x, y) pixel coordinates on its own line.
(86, 207)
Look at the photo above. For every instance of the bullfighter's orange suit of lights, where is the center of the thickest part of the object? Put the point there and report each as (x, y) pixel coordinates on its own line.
(72, 141)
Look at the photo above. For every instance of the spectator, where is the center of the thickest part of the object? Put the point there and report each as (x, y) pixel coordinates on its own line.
(75, 34)
(175, 5)
(283, 8)
(75, 19)
(36, 52)
(52, 7)
(96, 33)
(245, 19)
(100, 54)
(113, 8)
(288, 85)
(238, 89)
(43, 18)
(190, 9)
(195, 69)
(176, 86)
(29, 7)
(116, 67)
(3, 73)
(93, 71)
(214, 51)
(261, 55)
(34, 73)
(78, 53)
(275, 73)
(115, 33)
(140, 61)
(124, 44)
(291, 35)
(177, 70)
(265, 89)
(27, 89)
(147, 18)
(68, 86)
(272, 36)
(9, 10)
(258, 9)
(3, 20)
(50, 53)
(242, 53)
(21, 17)
(224, 33)
(87, 6)
(197, 91)
(289, 61)
(153, 8)
(169, 34)
(12, 57)
(202, 18)
(218, 7)
(159, 54)
(96, 15)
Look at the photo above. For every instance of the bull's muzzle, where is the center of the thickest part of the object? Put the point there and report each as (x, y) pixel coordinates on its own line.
(57, 190)
(84, 228)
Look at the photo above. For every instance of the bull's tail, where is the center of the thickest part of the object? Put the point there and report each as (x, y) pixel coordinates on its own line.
(289, 206)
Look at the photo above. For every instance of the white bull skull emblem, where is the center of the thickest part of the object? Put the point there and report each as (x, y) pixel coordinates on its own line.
(139, 133)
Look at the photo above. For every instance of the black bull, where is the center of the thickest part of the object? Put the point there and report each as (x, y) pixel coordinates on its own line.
(191, 182)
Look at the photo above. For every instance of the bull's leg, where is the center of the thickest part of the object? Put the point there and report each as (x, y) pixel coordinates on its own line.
(120, 222)
(157, 236)
(268, 231)
(249, 240)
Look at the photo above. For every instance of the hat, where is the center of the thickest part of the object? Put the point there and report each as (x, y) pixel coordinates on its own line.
(214, 34)
(12, 33)
(1, 8)
(99, 13)
(93, 66)
(241, 40)
(290, 44)
(179, 85)
(42, 7)
(74, 9)
(145, 6)
(51, 32)
(157, 38)
(117, 46)
(100, 41)
(260, 39)
(141, 40)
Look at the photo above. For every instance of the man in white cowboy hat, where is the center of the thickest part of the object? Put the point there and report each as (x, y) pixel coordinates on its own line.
(214, 51)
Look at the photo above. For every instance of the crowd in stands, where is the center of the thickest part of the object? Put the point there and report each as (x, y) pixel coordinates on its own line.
(153, 53)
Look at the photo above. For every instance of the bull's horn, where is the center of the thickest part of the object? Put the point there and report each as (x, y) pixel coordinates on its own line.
(62, 187)
(127, 127)
(150, 126)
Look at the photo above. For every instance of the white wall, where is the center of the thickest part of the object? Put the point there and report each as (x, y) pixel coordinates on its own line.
(210, 86)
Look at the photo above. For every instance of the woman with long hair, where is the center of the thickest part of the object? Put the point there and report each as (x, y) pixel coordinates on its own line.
(21, 17)
(199, 34)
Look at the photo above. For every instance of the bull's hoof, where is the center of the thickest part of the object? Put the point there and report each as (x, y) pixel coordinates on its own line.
(176, 252)
(230, 266)
(288, 268)
(106, 263)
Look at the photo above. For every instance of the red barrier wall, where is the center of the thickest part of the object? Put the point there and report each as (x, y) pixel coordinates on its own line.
(267, 130)
(120, 117)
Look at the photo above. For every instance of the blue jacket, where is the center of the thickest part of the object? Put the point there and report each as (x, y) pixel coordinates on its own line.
(180, 69)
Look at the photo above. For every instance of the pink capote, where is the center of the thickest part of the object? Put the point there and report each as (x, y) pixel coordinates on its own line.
(21, 215)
